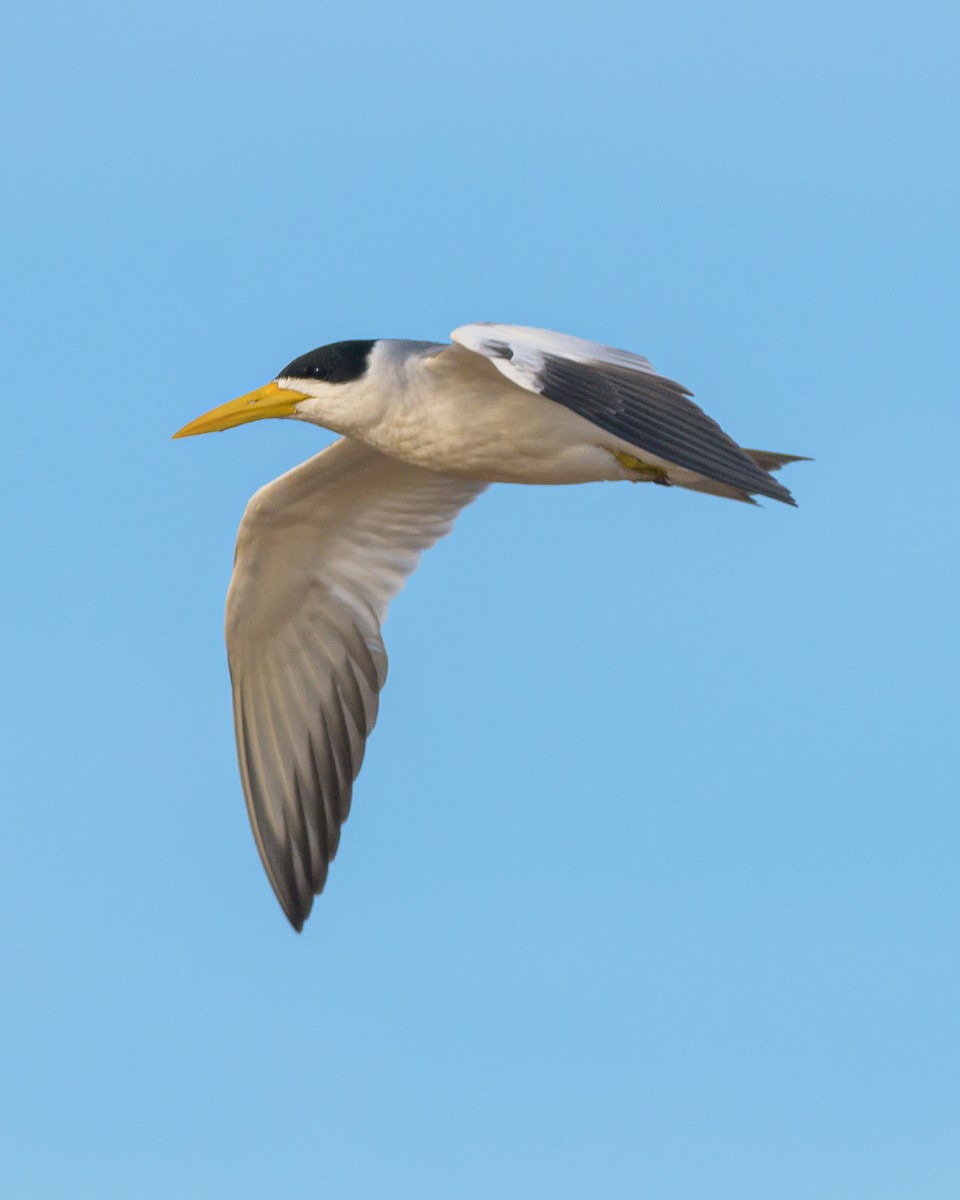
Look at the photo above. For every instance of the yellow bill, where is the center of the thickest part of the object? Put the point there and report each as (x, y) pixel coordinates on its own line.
(269, 401)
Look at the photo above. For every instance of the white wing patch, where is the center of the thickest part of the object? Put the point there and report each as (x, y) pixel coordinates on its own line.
(518, 351)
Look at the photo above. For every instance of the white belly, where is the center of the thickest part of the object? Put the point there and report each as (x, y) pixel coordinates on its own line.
(492, 430)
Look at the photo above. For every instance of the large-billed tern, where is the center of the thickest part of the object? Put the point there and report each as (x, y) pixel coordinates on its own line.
(322, 550)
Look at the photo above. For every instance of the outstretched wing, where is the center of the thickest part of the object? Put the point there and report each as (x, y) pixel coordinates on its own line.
(320, 553)
(623, 394)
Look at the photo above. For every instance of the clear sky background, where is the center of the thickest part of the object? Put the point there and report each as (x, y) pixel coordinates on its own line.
(650, 887)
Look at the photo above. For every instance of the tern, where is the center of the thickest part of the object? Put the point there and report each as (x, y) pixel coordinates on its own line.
(425, 427)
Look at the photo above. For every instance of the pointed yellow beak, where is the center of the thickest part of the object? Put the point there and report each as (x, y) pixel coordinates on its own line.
(269, 401)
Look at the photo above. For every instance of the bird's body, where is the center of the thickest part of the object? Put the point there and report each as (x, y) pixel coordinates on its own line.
(452, 411)
(322, 550)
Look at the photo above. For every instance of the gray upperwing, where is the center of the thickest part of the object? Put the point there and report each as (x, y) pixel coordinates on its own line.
(655, 414)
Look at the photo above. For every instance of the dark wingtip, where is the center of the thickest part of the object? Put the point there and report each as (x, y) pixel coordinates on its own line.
(785, 496)
(775, 491)
(296, 901)
(296, 915)
(771, 460)
(296, 904)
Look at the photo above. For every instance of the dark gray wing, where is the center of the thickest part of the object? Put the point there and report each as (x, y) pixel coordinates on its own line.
(320, 553)
(623, 394)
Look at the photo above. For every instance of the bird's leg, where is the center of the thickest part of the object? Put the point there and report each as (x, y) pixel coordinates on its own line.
(646, 472)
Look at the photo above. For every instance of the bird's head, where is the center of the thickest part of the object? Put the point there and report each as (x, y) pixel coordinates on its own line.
(325, 387)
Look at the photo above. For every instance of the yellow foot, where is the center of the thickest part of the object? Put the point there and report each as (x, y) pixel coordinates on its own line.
(646, 472)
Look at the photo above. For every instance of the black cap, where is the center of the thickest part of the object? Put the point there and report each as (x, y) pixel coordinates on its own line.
(340, 362)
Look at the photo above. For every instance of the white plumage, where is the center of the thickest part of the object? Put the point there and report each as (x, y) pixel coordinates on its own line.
(322, 550)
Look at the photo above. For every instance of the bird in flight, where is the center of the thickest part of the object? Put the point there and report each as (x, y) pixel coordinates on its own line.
(322, 550)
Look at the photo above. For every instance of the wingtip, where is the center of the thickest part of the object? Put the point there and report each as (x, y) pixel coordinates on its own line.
(784, 496)
(296, 916)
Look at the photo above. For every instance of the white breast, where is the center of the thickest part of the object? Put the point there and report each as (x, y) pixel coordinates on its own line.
(454, 412)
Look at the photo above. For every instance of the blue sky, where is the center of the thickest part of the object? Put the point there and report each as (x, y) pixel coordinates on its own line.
(650, 887)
